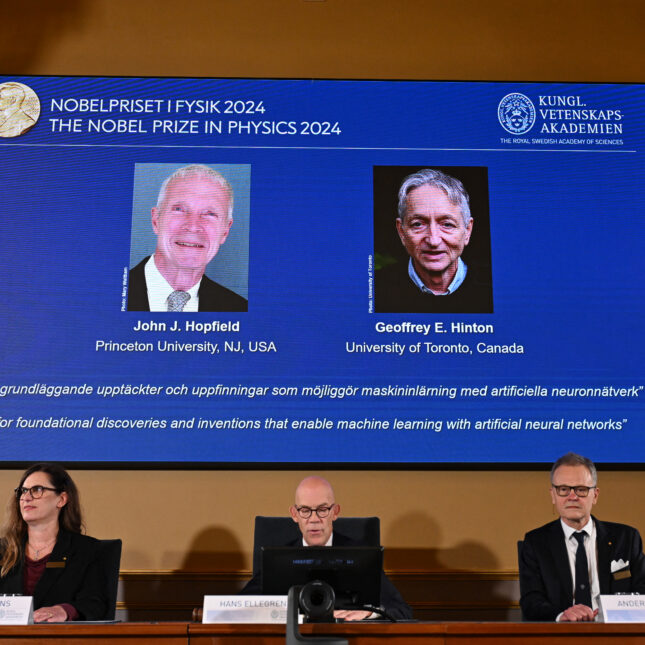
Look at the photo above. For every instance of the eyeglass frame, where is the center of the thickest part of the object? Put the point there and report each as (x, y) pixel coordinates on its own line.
(575, 489)
(326, 509)
(21, 491)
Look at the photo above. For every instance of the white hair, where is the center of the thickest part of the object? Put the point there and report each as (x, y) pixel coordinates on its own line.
(200, 171)
(453, 188)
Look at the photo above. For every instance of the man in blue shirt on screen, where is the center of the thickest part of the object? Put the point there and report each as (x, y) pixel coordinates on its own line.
(566, 564)
(435, 225)
(192, 219)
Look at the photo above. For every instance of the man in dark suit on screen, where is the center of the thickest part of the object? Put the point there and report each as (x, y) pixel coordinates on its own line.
(192, 219)
(314, 511)
(566, 564)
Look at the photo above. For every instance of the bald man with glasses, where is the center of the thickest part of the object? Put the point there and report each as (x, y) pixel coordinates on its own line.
(566, 564)
(315, 510)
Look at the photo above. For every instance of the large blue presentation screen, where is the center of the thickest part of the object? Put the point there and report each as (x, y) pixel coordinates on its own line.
(247, 272)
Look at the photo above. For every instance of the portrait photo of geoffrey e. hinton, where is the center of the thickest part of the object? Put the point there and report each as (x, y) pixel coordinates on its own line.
(432, 240)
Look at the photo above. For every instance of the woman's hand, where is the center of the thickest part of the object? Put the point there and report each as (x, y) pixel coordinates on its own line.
(55, 614)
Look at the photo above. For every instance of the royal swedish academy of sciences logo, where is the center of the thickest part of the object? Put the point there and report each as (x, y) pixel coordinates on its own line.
(516, 113)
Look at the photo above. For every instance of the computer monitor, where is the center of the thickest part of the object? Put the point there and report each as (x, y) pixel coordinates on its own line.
(354, 573)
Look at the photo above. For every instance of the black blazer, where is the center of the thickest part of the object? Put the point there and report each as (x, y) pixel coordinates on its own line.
(212, 296)
(79, 582)
(391, 599)
(546, 585)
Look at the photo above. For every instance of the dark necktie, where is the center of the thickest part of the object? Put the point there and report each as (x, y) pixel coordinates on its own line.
(582, 595)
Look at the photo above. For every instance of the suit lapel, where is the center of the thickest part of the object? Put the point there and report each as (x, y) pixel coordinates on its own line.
(137, 288)
(605, 544)
(61, 553)
(561, 561)
(201, 294)
(13, 581)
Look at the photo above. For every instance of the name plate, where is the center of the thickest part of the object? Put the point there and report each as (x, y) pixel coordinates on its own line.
(245, 609)
(622, 609)
(16, 610)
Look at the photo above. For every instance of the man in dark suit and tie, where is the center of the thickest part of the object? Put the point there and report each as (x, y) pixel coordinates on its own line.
(566, 564)
(191, 220)
(314, 511)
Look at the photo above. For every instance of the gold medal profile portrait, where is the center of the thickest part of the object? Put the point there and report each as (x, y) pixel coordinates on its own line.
(19, 109)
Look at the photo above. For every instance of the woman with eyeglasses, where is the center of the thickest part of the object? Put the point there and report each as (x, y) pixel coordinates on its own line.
(43, 553)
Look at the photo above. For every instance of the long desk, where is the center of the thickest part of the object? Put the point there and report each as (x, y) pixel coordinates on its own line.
(100, 634)
(358, 634)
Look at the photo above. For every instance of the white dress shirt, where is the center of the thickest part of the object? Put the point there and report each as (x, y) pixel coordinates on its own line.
(159, 290)
(592, 558)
